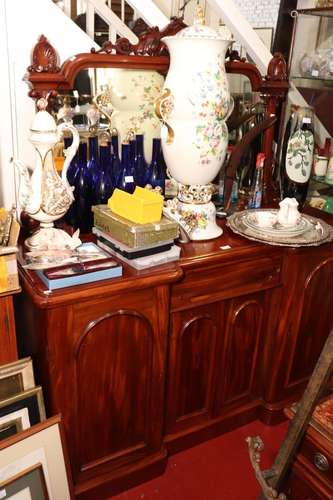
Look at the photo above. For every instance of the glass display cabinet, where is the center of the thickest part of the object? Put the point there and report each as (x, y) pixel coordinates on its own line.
(311, 56)
(311, 70)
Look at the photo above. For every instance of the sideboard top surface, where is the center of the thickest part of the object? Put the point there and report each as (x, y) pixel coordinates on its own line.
(228, 249)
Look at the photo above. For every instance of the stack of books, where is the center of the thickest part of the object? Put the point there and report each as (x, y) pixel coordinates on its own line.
(139, 245)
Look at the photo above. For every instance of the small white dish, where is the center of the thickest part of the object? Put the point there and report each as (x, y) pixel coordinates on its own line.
(266, 219)
(272, 225)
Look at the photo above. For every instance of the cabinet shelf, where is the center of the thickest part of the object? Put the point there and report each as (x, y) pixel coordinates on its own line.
(322, 180)
(312, 82)
(321, 12)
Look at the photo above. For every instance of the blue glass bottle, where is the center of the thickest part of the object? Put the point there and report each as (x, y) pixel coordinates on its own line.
(93, 162)
(115, 161)
(140, 165)
(126, 180)
(103, 187)
(132, 144)
(156, 173)
(83, 192)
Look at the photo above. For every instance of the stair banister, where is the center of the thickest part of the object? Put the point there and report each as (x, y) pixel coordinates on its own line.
(149, 12)
(243, 32)
(116, 25)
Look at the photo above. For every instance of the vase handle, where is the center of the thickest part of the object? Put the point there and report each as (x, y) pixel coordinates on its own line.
(163, 106)
(69, 152)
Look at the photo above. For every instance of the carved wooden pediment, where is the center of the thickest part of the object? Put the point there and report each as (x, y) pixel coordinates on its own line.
(44, 57)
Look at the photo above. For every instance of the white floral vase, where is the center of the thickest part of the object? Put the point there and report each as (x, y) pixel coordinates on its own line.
(193, 108)
(133, 93)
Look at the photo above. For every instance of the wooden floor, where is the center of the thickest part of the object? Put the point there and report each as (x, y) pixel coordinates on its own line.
(216, 470)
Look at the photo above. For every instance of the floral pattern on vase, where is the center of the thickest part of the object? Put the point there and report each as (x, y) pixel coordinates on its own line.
(133, 96)
(210, 97)
(300, 155)
(150, 91)
(198, 83)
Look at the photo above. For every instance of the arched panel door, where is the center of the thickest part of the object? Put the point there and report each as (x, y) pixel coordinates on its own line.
(313, 322)
(113, 359)
(194, 343)
(245, 322)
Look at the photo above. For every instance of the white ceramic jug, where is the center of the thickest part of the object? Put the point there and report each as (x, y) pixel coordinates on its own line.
(43, 194)
(288, 215)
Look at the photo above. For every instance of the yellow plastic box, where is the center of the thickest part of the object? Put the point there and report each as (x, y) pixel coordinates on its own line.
(143, 206)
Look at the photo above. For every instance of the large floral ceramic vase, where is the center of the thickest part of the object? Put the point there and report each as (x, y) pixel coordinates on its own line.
(193, 108)
(133, 93)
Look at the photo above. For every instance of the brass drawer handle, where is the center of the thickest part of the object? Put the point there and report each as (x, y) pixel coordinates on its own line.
(321, 462)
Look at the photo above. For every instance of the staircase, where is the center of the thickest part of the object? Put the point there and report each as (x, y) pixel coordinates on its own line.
(100, 28)
(105, 20)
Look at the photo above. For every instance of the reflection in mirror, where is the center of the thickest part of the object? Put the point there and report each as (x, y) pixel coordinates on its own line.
(129, 108)
(113, 110)
(248, 113)
(126, 98)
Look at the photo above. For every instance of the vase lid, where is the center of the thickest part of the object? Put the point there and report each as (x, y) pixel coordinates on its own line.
(202, 32)
(43, 121)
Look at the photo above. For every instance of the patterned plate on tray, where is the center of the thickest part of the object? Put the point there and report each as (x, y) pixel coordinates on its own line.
(252, 218)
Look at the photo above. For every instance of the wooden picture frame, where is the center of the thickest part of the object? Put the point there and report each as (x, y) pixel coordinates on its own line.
(16, 377)
(40, 448)
(21, 411)
(29, 483)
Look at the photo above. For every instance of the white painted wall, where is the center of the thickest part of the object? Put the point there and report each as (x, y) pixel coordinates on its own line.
(166, 6)
(21, 23)
(260, 13)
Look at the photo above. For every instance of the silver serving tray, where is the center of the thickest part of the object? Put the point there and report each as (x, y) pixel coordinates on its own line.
(317, 232)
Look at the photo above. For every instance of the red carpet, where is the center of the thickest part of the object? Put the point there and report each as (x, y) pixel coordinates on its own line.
(216, 470)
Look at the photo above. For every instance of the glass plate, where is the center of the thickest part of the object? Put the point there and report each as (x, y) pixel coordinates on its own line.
(302, 225)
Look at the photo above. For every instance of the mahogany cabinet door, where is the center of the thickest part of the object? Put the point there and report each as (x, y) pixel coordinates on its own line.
(306, 318)
(194, 344)
(238, 368)
(108, 360)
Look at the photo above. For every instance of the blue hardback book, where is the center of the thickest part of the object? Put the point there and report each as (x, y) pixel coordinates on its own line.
(78, 274)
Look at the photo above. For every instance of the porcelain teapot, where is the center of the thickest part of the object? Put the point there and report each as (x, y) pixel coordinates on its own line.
(288, 215)
(43, 194)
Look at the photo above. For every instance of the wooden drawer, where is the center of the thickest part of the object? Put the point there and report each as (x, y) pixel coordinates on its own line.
(215, 282)
(320, 458)
(304, 484)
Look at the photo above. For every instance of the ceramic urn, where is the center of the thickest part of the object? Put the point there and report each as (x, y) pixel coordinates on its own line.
(193, 108)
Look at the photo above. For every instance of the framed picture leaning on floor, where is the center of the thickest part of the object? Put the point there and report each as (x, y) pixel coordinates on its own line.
(35, 462)
(16, 377)
(21, 411)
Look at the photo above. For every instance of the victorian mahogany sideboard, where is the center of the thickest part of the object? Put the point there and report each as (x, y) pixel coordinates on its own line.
(155, 361)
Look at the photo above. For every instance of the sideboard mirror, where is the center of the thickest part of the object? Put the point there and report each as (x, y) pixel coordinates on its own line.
(135, 73)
